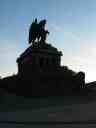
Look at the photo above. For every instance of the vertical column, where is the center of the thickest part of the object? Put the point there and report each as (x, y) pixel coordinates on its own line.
(50, 63)
(58, 59)
(37, 62)
(44, 64)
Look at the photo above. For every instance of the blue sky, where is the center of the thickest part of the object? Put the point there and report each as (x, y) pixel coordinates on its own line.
(72, 26)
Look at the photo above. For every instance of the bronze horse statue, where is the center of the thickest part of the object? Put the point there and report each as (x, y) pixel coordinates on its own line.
(37, 31)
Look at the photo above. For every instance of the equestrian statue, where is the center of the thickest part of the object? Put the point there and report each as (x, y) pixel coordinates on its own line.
(37, 31)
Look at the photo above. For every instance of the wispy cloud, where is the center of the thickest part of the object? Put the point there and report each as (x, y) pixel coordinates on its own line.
(53, 27)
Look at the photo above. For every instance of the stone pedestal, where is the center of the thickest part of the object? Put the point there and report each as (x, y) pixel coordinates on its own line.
(39, 58)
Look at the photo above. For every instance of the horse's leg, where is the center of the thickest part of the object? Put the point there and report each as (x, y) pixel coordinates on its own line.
(43, 36)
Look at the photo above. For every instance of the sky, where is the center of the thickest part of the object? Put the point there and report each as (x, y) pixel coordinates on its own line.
(72, 27)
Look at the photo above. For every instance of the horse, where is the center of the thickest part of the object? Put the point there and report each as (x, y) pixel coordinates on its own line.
(37, 31)
(41, 37)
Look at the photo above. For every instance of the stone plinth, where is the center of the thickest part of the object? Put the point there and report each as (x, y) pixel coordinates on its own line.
(39, 58)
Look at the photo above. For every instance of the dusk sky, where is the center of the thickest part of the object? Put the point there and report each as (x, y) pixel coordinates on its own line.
(72, 26)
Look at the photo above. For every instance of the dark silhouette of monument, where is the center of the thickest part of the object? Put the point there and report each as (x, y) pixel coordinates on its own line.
(39, 70)
(39, 57)
(37, 31)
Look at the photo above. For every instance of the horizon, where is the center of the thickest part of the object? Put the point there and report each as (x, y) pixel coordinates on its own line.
(72, 27)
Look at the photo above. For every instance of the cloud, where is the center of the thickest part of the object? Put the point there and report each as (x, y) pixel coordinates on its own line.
(53, 27)
(72, 35)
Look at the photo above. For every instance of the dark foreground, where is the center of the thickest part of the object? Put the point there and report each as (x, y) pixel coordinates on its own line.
(74, 109)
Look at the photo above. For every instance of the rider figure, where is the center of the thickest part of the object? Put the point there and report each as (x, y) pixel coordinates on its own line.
(42, 24)
(42, 30)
